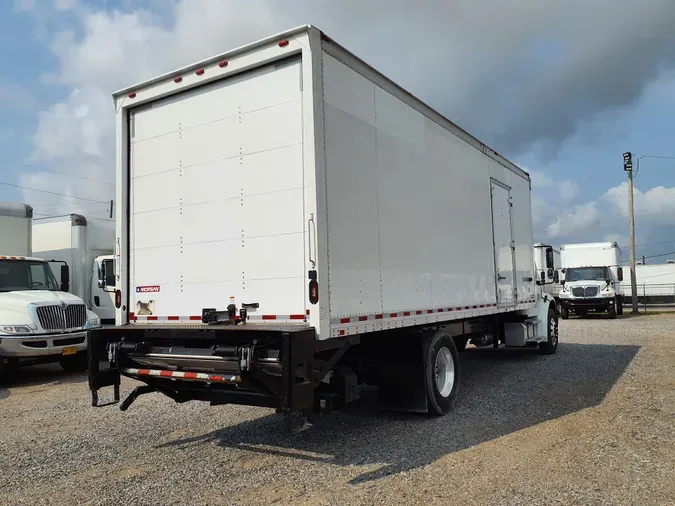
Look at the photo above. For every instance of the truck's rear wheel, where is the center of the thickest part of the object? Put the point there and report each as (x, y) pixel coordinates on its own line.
(74, 363)
(441, 368)
(550, 346)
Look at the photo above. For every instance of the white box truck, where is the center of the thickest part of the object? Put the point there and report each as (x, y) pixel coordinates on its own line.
(39, 321)
(291, 224)
(86, 245)
(591, 279)
(547, 266)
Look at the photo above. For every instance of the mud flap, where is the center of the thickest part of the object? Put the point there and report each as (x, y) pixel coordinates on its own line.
(400, 375)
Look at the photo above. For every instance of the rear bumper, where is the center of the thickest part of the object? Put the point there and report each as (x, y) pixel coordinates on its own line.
(273, 368)
(41, 345)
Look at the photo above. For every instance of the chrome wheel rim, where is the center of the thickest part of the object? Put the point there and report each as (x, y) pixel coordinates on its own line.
(444, 372)
(553, 331)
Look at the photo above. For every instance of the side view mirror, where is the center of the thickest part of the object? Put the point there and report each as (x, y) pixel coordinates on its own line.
(556, 277)
(65, 278)
(619, 273)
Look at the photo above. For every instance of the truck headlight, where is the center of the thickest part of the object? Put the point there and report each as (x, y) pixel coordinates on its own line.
(16, 329)
(564, 295)
(93, 322)
(608, 294)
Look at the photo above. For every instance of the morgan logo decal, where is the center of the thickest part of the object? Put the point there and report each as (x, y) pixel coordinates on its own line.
(147, 289)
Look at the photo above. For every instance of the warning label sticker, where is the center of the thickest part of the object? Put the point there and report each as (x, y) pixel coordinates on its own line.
(147, 289)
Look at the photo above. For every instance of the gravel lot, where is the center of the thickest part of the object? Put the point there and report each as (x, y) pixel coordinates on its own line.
(594, 424)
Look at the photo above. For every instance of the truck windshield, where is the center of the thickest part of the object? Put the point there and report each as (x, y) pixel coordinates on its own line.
(26, 275)
(587, 273)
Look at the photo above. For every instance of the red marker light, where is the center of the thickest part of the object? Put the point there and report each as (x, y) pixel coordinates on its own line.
(199, 72)
(283, 43)
(177, 79)
(118, 298)
(132, 94)
(313, 291)
(222, 64)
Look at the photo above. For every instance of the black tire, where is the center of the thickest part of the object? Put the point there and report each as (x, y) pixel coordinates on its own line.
(611, 311)
(440, 359)
(550, 346)
(74, 363)
(461, 342)
(564, 312)
(619, 306)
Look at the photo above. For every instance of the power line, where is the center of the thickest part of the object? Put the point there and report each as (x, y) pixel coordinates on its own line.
(53, 193)
(658, 256)
(10, 162)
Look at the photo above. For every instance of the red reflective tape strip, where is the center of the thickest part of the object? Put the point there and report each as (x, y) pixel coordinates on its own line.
(195, 318)
(393, 315)
(467, 307)
(439, 310)
(152, 318)
(429, 311)
(297, 317)
(482, 305)
(458, 308)
(166, 373)
(132, 316)
(418, 312)
(173, 318)
(190, 375)
(450, 309)
(345, 320)
(143, 372)
(269, 317)
(214, 377)
(407, 313)
(363, 318)
(379, 316)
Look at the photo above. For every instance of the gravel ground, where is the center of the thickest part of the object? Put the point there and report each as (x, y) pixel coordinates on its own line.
(594, 424)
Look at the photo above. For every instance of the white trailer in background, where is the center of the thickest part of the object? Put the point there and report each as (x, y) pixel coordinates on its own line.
(39, 321)
(292, 224)
(591, 280)
(86, 245)
(655, 283)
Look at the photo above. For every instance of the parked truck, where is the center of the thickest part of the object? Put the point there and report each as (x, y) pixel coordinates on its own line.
(292, 224)
(547, 265)
(86, 245)
(40, 321)
(591, 279)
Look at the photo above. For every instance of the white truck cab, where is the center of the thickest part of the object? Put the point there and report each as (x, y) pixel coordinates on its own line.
(40, 321)
(591, 278)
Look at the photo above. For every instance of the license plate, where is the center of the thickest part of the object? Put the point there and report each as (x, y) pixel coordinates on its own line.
(71, 350)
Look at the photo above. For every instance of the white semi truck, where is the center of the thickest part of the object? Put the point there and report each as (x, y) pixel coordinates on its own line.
(40, 321)
(291, 224)
(591, 279)
(86, 245)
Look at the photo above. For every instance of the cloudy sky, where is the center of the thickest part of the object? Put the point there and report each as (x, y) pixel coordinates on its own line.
(562, 88)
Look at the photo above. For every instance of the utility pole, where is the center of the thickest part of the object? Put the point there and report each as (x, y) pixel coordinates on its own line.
(628, 167)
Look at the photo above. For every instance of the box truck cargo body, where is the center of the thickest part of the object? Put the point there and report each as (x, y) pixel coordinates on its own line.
(86, 245)
(15, 223)
(305, 212)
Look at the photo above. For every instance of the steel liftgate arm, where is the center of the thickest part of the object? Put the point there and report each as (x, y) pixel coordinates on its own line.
(98, 351)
